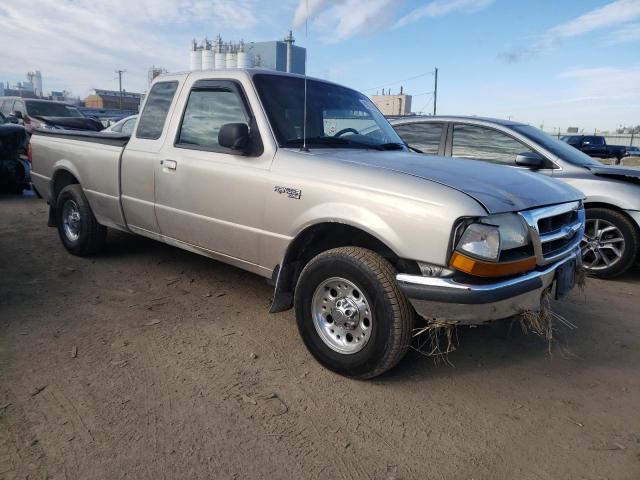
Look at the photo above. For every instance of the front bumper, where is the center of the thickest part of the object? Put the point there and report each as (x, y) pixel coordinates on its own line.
(444, 299)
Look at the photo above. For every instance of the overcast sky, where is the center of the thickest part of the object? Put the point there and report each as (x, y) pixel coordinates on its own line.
(568, 63)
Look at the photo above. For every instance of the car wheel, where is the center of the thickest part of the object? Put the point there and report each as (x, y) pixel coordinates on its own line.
(80, 232)
(351, 314)
(610, 243)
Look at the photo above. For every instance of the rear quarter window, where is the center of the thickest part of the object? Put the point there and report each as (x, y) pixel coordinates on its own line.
(155, 111)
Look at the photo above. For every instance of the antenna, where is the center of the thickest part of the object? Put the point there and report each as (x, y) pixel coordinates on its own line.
(304, 119)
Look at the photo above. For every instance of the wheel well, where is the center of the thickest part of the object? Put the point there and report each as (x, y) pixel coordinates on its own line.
(317, 239)
(61, 179)
(615, 209)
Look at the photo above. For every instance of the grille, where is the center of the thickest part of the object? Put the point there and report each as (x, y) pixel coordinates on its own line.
(555, 231)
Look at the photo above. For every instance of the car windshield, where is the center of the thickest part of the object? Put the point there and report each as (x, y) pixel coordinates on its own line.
(336, 117)
(37, 108)
(557, 147)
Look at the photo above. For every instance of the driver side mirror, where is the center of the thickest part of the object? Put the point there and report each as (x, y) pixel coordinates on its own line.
(234, 136)
(530, 160)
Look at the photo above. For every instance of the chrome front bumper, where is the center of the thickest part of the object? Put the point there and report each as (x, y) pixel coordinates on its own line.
(446, 300)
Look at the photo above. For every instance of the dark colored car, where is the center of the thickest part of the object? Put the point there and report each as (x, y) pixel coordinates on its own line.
(612, 231)
(14, 167)
(595, 146)
(632, 152)
(36, 113)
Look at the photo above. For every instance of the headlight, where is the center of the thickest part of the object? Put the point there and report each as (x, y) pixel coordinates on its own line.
(481, 241)
(488, 237)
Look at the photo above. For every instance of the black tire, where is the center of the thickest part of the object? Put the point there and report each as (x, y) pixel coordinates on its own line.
(630, 235)
(393, 316)
(91, 235)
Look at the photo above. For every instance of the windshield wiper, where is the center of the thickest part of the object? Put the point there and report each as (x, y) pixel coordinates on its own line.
(339, 141)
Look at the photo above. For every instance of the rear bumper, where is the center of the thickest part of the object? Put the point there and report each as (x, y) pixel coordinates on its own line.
(446, 300)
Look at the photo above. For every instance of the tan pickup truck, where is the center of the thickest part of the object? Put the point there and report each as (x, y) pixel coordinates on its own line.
(322, 198)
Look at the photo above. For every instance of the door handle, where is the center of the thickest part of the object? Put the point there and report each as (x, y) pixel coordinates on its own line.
(170, 164)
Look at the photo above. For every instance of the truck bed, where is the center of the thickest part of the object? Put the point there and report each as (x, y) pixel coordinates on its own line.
(93, 158)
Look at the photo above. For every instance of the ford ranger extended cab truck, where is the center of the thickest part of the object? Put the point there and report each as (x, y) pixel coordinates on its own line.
(318, 194)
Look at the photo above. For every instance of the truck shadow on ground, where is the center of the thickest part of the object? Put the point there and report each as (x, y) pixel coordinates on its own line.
(490, 346)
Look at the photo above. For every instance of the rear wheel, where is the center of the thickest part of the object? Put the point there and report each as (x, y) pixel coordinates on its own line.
(80, 232)
(351, 314)
(610, 243)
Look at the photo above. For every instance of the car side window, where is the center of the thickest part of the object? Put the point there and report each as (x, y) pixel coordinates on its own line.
(127, 127)
(207, 110)
(5, 107)
(18, 106)
(486, 144)
(155, 110)
(423, 136)
(593, 141)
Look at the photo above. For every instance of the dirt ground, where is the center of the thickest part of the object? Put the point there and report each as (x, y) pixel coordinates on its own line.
(149, 362)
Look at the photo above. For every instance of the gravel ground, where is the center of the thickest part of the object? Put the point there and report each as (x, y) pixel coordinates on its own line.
(148, 362)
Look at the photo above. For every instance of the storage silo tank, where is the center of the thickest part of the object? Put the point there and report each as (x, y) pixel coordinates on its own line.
(219, 60)
(208, 60)
(195, 57)
(231, 60)
(244, 60)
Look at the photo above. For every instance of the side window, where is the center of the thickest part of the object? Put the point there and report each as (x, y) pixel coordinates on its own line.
(5, 107)
(486, 144)
(423, 136)
(18, 107)
(127, 127)
(593, 141)
(155, 110)
(206, 111)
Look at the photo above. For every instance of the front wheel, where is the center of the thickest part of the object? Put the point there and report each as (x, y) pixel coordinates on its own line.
(610, 243)
(80, 232)
(351, 314)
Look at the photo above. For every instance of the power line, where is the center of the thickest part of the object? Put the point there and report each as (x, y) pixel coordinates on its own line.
(400, 81)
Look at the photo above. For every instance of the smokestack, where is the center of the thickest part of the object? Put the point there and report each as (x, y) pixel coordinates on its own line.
(289, 41)
(400, 89)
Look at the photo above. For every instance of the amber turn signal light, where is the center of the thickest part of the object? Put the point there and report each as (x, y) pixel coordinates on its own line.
(480, 268)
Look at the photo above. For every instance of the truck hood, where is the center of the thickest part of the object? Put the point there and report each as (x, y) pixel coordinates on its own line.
(498, 188)
(621, 173)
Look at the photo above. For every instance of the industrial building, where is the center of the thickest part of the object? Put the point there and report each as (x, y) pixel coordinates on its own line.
(110, 99)
(282, 55)
(393, 105)
(31, 88)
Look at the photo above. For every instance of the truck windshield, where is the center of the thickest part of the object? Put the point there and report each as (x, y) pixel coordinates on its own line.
(39, 108)
(559, 148)
(337, 117)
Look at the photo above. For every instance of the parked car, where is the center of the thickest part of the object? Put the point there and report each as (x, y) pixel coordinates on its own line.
(355, 230)
(610, 244)
(595, 146)
(632, 152)
(36, 113)
(14, 167)
(124, 126)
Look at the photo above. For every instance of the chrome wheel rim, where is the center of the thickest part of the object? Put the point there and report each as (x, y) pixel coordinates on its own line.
(342, 315)
(602, 246)
(71, 220)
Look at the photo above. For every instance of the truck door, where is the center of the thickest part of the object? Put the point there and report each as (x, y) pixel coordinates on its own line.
(594, 146)
(140, 156)
(207, 195)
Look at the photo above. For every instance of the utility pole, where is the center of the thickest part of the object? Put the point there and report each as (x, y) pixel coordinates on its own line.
(120, 72)
(435, 91)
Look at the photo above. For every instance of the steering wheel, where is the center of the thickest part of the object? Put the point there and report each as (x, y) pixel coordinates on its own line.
(347, 130)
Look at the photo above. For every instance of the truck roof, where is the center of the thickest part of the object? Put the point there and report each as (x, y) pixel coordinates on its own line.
(235, 73)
